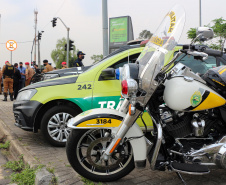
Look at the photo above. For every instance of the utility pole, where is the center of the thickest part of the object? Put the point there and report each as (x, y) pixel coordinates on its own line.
(36, 13)
(105, 27)
(200, 13)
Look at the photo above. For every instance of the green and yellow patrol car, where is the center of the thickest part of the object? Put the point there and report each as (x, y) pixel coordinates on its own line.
(48, 105)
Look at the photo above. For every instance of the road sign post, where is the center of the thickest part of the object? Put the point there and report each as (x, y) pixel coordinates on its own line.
(11, 45)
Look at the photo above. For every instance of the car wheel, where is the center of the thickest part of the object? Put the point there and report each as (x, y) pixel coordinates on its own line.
(54, 127)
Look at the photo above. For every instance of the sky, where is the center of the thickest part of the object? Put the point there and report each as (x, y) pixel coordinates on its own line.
(84, 18)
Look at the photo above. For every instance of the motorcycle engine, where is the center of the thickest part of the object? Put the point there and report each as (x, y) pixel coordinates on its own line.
(183, 124)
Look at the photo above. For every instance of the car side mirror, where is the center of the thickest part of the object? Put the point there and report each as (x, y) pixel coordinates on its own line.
(204, 33)
(108, 74)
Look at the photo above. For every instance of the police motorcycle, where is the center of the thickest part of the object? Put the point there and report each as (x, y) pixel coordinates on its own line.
(188, 113)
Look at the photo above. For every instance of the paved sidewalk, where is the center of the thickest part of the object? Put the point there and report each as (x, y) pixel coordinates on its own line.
(43, 153)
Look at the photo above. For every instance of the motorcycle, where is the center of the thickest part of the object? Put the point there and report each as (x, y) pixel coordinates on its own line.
(188, 113)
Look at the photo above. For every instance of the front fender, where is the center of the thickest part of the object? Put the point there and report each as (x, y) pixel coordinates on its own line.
(88, 120)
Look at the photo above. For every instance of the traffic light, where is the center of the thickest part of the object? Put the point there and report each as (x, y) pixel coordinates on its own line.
(39, 36)
(54, 21)
(71, 46)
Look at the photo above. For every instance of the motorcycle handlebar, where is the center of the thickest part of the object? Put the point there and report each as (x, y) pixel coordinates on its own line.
(211, 52)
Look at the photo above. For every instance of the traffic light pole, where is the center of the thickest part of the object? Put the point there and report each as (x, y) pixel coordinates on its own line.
(39, 64)
(68, 29)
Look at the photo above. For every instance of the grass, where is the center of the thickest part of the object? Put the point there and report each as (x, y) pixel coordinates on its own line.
(19, 138)
(51, 170)
(68, 165)
(22, 174)
(16, 166)
(5, 145)
(5, 152)
(89, 182)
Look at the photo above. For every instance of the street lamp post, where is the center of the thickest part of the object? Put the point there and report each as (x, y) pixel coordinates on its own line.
(200, 13)
(105, 27)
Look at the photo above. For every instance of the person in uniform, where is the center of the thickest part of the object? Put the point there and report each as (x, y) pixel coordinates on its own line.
(64, 65)
(78, 62)
(8, 72)
(23, 75)
(16, 80)
(37, 70)
(29, 73)
(47, 67)
(0, 81)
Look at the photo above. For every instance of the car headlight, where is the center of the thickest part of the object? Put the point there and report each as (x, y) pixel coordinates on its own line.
(26, 95)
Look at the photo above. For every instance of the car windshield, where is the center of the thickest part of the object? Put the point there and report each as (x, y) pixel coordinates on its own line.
(99, 63)
(198, 66)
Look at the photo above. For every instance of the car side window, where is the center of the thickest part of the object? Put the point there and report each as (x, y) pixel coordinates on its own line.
(120, 63)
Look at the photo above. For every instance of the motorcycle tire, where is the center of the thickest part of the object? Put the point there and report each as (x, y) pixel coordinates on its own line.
(73, 158)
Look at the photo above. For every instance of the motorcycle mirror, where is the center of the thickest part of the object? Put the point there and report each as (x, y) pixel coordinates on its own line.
(204, 33)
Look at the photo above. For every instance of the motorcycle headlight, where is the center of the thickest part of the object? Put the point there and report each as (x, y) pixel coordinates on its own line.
(26, 95)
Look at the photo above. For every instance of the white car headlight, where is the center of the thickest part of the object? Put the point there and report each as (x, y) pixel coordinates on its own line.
(26, 95)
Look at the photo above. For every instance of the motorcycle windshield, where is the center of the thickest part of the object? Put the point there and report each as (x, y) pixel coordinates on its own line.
(160, 47)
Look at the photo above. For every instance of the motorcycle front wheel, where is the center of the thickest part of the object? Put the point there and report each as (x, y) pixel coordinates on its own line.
(84, 149)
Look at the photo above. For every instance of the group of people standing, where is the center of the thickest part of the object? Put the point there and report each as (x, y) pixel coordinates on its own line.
(15, 78)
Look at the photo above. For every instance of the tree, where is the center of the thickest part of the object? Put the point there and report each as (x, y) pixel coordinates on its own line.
(219, 29)
(191, 33)
(59, 54)
(97, 58)
(145, 34)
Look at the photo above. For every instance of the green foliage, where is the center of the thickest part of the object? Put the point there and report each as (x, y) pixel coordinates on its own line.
(191, 34)
(145, 34)
(27, 176)
(89, 182)
(219, 29)
(5, 145)
(97, 58)
(54, 180)
(59, 54)
(16, 166)
(23, 174)
(51, 170)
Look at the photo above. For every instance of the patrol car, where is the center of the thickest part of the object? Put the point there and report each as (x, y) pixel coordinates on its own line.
(49, 104)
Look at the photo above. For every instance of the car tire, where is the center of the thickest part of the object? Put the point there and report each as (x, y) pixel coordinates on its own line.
(53, 124)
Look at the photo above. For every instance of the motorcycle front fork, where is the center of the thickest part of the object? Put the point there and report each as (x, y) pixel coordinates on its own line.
(127, 122)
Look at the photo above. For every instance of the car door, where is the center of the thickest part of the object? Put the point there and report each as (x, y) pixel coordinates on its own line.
(107, 93)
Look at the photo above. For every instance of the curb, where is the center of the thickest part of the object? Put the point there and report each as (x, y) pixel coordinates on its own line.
(15, 147)
(43, 176)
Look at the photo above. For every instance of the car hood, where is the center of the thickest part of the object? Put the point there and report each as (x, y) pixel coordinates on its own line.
(52, 82)
(69, 71)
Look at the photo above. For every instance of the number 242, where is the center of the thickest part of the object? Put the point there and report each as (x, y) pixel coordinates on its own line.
(88, 86)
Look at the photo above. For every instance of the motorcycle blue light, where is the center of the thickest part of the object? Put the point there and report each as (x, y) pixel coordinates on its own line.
(117, 73)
